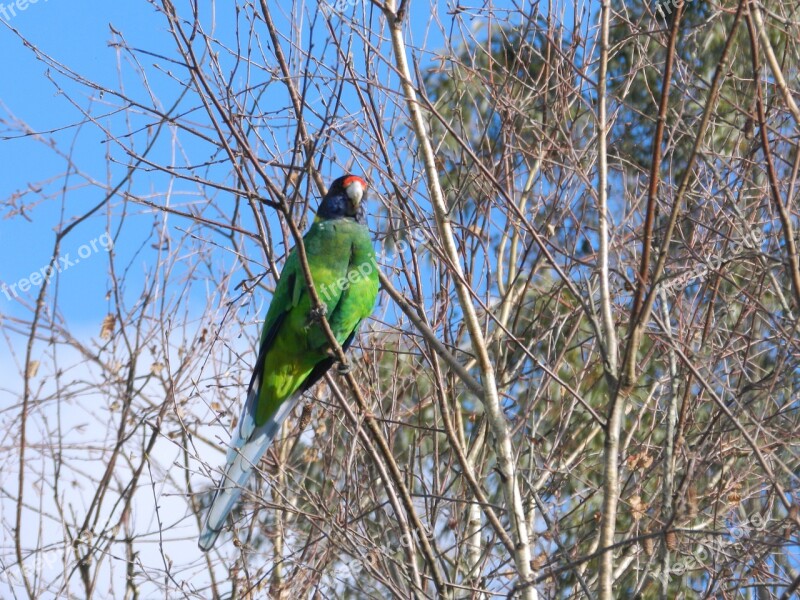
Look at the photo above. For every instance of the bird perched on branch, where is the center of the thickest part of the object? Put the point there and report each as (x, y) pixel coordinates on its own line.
(294, 352)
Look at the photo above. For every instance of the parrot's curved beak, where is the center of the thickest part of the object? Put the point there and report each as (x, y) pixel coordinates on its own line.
(355, 187)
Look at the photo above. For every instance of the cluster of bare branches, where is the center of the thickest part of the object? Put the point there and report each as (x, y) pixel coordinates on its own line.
(582, 377)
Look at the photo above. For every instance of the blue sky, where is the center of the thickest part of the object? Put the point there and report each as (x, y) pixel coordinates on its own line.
(77, 37)
(80, 38)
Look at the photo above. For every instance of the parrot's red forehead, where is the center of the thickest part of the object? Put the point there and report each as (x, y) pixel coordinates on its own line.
(354, 179)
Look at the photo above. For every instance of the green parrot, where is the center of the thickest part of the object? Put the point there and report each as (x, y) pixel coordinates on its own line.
(294, 352)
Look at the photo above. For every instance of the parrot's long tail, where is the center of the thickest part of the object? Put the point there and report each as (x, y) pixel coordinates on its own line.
(248, 446)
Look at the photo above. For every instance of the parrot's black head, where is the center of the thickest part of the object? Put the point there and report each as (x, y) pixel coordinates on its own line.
(345, 199)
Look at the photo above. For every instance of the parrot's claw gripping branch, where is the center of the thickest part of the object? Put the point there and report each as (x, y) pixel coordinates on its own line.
(344, 368)
(317, 313)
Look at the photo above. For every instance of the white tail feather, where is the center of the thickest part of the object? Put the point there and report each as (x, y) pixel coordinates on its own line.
(242, 457)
